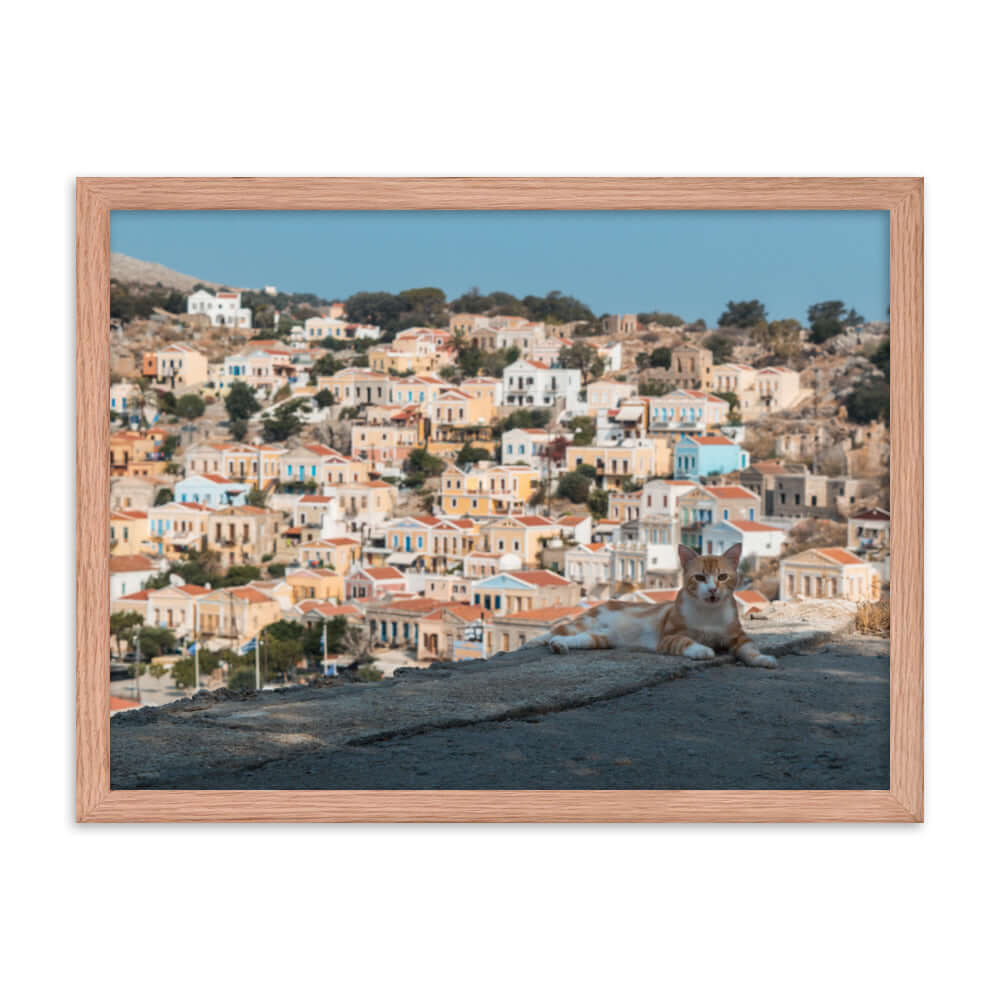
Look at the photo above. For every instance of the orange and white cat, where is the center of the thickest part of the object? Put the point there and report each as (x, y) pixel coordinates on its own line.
(702, 622)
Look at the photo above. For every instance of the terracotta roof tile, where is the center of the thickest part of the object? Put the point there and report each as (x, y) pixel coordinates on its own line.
(731, 493)
(841, 556)
(540, 577)
(132, 564)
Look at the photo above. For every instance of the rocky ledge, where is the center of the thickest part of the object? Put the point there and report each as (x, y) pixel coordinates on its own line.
(228, 736)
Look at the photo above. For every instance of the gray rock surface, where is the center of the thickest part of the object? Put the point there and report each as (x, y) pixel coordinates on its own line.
(306, 737)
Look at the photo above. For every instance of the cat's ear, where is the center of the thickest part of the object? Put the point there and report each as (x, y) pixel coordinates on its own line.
(732, 554)
(686, 555)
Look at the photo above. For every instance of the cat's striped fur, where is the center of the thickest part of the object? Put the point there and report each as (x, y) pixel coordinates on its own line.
(703, 621)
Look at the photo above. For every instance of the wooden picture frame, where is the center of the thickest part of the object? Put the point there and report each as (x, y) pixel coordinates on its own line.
(98, 197)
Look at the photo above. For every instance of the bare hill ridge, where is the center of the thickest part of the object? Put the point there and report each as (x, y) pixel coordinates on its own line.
(130, 269)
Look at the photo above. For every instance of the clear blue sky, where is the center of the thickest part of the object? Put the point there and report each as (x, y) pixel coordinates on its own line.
(689, 263)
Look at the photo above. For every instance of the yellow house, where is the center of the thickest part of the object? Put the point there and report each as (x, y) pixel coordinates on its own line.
(333, 553)
(522, 590)
(453, 632)
(498, 489)
(236, 614)
(452, 539)
(357, 386)
(833, 572)
(384, 445)
(520, 535)
(484, 387)
(636, 459)
(410, 534)
(387, 358)
(138, 453)
(456, 408)
(242, 534)
(624, 506)
(239, 463)
(319, 583)
(129, 532)
(173, 608)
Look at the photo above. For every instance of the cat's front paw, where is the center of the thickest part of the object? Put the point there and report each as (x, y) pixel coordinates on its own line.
(696, 651)
(558, 646)
(765, 661)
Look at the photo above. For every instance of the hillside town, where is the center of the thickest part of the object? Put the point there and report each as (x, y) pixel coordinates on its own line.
(305, 488)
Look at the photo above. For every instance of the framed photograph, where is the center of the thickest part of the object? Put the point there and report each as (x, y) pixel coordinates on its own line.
(500, 499)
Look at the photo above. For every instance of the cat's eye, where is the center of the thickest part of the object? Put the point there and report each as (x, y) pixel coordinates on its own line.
(700, 577)
(723, 576)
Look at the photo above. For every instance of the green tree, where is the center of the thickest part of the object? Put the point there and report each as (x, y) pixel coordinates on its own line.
(420, 465)
(869, 401)
(281, 656)
(163, 495)
(829, 319)
(190, 406)
(734, 404)
(470, 454)
(276, 569)
(376, 308)
(326, 365)
(240, 576)
(241, 402)
(469, 360)
(256, 497)
(663, 319)
(597, 502)
(242, 679)
(556, 308)
(183, 670)
(586, 469)
(535, 417)
(170, 444)
(660, 358)
(425, 307)
(283, 422)
(582, 356)
(155, 641)
(573, 486)
(323, 399)
(880, 357)
(124, 625)
(238, 429)
(743, 314)
(721, 347)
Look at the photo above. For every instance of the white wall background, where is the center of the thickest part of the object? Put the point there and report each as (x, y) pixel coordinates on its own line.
(632, 88)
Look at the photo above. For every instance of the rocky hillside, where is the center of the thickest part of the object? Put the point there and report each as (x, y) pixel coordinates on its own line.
(129, 270)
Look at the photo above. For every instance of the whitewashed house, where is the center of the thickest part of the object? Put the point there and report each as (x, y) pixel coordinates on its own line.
(759, 541)
(223, 308)
(530, 383)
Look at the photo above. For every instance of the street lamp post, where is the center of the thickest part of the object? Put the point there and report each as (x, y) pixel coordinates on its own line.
(256, 650)
(138, 689)
(197, 668)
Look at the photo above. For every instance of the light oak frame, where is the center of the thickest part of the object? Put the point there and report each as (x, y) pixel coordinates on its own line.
(98, 197)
